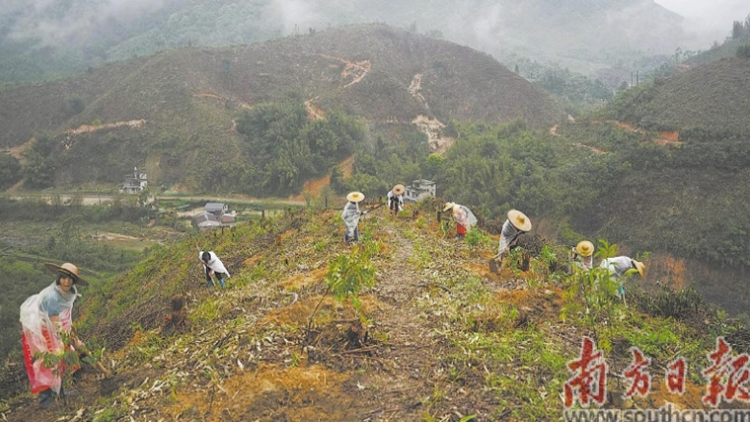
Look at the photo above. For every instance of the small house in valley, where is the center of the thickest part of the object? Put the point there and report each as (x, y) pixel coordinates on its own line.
(206, 221)
(135, 183)
(419, 189)
(214, 214)
(216, 208)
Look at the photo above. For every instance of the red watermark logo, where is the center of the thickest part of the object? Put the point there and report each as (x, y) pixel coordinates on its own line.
(727, 377)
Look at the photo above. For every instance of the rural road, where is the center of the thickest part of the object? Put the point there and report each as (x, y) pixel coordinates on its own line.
(94, 199)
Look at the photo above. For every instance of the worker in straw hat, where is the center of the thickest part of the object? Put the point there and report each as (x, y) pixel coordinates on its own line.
(463, 217)
(583, 255)
(619, 267)
(351, 216)
(396, 199)
(516, 225)
(43, 317)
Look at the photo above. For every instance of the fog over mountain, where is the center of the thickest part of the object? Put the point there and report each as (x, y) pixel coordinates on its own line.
(709, 20)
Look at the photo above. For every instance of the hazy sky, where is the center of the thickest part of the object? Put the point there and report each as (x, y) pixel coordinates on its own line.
(710, 15)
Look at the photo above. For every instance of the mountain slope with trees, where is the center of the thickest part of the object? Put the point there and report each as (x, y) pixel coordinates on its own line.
(179, 112)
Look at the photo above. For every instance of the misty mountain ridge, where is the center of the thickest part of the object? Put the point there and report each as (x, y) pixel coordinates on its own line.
(39, 43)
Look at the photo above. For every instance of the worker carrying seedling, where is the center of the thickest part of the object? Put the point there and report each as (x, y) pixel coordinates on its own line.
(618, 268)
(43, 317)
(516, 225)
(351, 216)
(212, 265)
(463, 217)
(582, 255)
(396, 199)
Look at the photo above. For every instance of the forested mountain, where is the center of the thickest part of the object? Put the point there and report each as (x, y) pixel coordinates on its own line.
(43, 40)
(193, 115)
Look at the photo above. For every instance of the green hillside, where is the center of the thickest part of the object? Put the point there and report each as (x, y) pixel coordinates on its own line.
(710, 96)
(176, 112)
(408, 324)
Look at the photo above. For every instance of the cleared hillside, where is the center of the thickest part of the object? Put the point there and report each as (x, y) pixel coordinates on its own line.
(420, 330)
(710, 96)
(188, 98)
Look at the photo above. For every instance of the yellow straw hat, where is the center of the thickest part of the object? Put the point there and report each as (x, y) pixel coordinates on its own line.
(68, 269)
(640, 267)
(355, 197)
(519, 220)
(585, 248)
(399, 189)
(448, 205)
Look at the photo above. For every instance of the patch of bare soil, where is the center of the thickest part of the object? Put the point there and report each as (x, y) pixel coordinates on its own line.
(90, 128)
(17, 151)
(669, 138)
(314, 187)
(314, 112)
(224, 101)
(433, 128)
(595, 150)
(415, 88)
(353, 72)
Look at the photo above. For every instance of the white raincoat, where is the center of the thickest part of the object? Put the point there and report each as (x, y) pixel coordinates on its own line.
(392, 197)
(464, 217)
(617, 266)
(351, 216)
(214, 263)
(40, 334)
(509, 232)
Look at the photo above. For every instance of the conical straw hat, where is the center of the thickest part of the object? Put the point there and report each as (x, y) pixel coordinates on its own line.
(398, 189)
(585, 248)
(68, 269)
(355, 197)
(519, 220)
(640, 267)
(448, 205)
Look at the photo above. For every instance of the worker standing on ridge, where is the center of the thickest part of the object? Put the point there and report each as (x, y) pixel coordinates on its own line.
(618, 266)
(212, 265)
(43, 317)
(351, 216)
(516, 225)
(583, 255)
(463, 217)
(396, 199)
